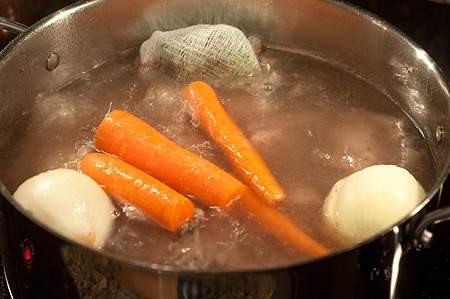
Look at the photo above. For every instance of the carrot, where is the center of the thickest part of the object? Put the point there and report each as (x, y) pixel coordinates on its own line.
(126, 136)
(163, 204)
(207, 110)
(276, 224)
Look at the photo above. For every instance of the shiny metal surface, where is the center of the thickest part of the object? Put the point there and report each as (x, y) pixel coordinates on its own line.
(26, 12)
(441, 1)
(374, 51)
(422, 236)
(333, 31)
(12, 26)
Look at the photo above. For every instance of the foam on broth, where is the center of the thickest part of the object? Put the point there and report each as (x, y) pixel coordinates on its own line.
(312, 122)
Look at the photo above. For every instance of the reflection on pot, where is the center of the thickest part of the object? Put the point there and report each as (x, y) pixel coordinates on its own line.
(356, 272)
(27, 12)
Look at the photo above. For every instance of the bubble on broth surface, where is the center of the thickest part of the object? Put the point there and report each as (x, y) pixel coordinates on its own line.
(162, 103)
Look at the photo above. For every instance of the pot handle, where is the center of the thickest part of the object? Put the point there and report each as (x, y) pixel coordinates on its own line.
(421, 236)
(440, 1)
(12, 26)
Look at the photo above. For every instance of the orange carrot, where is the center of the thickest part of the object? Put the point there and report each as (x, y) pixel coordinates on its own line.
(211, 116)
(157, 200)
(126, 136)
(130, 138)
(276, 224)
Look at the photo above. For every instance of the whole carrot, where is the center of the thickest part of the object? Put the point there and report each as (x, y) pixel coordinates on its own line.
(126, 136)
(276, 224)
(211, 116)
(157, 200)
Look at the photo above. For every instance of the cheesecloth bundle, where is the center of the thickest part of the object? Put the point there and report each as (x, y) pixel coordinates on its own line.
(200, 51)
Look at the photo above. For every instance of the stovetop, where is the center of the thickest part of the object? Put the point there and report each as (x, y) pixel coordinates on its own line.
(423, 274)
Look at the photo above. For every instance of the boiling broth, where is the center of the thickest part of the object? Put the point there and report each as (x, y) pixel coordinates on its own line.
(312, 122)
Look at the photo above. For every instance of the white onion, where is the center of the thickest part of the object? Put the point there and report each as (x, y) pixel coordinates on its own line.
(69, 202)
(371, 200)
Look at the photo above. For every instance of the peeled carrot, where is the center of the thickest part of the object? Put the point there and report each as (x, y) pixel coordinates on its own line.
(276, 224)
(157, 200)
(126, 136)
(211, 116)
(130, 138)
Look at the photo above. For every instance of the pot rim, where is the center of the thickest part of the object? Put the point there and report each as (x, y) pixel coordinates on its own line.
(351, 8)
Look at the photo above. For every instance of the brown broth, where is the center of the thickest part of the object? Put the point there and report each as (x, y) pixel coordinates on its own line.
(312, 122)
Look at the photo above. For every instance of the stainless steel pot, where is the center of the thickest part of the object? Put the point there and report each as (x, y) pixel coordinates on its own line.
(54, 51)
(27, 12)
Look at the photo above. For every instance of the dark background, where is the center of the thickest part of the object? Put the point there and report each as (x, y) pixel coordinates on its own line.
(424, 274)
(27, 12)
(426, 22)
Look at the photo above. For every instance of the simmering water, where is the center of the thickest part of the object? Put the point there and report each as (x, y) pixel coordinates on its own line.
(312, 122)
